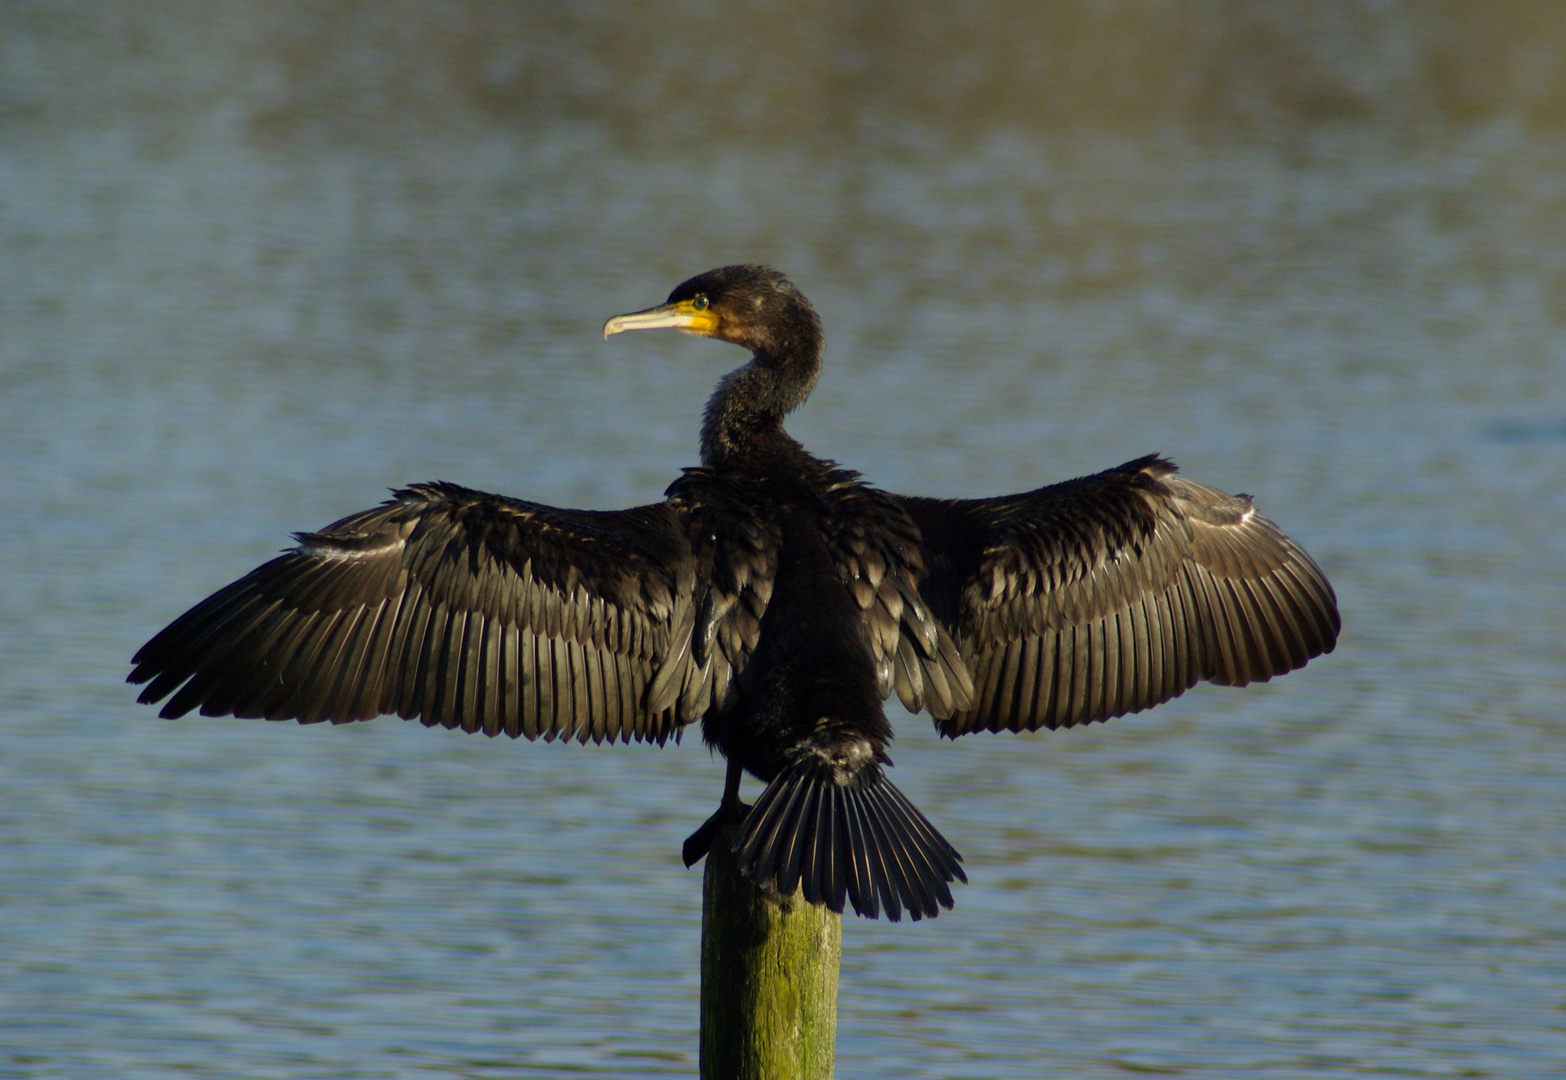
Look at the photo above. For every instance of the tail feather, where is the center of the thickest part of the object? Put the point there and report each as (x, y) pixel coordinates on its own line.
(905, 861)
(862, 882)
(920, 844)
(862, 842)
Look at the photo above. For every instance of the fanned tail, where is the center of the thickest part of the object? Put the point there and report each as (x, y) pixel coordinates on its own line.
(863, 841)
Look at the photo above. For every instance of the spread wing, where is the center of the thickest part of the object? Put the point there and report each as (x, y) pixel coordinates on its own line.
(463, 609)
(1112, 593)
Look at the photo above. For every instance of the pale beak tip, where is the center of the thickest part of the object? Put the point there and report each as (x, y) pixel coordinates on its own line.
(656, 318)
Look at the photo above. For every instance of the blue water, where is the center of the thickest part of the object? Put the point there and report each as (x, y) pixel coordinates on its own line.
(232, 307)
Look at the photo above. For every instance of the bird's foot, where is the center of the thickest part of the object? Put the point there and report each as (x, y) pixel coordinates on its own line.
(698, 843)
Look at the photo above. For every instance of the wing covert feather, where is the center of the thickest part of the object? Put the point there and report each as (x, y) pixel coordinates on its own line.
(878, 551)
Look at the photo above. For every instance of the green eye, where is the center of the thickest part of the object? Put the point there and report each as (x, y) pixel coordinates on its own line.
(699, 301)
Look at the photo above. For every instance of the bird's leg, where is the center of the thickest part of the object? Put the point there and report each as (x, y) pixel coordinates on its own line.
(729, 809)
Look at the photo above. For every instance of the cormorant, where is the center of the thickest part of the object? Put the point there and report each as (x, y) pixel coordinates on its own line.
(773, 595)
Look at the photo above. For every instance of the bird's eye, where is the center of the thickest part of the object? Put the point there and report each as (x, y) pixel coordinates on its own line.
(699, 301)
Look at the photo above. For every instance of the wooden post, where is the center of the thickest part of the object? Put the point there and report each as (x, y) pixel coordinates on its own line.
(768, 978)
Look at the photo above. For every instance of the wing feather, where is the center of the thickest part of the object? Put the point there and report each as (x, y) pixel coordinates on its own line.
(457, 608)
(361, 690)
(338, 661)
(876, 546)
(1110, 594)
(408, 650)
(541, 719)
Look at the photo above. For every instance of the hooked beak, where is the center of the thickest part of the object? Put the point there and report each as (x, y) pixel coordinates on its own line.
(682, 316)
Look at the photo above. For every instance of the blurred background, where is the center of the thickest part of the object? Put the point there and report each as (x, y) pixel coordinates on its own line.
(260, 262)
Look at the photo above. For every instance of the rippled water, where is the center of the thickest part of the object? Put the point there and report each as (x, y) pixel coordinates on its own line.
(258, 268)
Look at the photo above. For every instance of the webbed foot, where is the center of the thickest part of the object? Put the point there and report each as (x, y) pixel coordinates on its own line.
(698, 843)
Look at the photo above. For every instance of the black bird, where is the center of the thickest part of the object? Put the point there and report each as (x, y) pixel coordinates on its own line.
(773, 595)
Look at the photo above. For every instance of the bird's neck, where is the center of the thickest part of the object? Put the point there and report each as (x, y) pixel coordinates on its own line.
(744, 420)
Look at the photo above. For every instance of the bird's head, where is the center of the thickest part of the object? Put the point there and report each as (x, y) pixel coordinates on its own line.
(752, 306)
